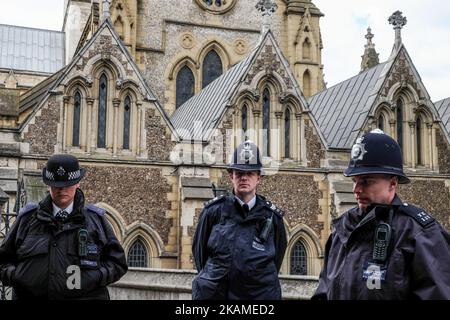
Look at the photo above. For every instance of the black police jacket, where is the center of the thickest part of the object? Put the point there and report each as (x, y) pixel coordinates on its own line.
(232, 259)
(36, 255)
(417, 265)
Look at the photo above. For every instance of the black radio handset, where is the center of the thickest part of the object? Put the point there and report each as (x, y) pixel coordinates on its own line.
(82, 242)
(381, 242)
(383, 234)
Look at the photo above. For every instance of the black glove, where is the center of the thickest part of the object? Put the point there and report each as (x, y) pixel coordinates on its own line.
(7, 274)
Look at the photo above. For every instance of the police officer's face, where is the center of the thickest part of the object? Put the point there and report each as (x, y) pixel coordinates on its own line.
(245, 182)
(62, 197)
(374, 188)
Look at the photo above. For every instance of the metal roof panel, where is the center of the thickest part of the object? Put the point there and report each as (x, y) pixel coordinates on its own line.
(443, 108)
(338, 109)
(29, 49)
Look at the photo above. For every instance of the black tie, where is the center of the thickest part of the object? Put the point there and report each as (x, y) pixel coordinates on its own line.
(61, 215)
(245, 208)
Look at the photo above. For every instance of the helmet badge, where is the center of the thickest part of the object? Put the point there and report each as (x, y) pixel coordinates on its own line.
(246, 154)
(61, 171)
(358, 150)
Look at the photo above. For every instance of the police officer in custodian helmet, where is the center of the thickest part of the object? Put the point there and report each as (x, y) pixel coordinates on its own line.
(61, 248)
(384, 248)
(240, 240)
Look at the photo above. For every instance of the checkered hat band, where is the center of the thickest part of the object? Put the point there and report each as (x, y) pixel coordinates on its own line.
(74, 175)
(49, 175)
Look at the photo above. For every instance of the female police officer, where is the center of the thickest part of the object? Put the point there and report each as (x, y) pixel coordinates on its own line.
(60, 248)
(384, 248)
(240, 239)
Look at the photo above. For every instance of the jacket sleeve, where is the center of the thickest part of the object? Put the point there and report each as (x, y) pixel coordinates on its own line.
(8, 257)
(280, 242)
(322, 289)
(113, 263)
(430, 264)
(201, 237)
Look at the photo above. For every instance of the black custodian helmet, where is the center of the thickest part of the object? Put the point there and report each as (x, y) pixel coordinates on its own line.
(246, 157)
(62, 170)
(376, 152)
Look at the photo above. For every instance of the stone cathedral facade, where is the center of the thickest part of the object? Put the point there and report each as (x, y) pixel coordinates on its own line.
(153, 96)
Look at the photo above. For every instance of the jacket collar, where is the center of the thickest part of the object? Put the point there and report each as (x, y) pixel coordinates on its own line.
(356, 218)
(45, 212)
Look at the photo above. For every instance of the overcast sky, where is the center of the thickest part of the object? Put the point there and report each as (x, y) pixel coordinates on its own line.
(426, 35)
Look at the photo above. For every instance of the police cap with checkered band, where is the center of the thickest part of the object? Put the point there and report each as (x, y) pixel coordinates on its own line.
(376, 152)
(62, 170)
(246, 157)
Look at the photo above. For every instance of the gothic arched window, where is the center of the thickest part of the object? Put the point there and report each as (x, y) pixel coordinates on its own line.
(126, 122)
(400, 123)
(212, 68)
(118, 26)
(76, 120)
(185, 85)
(266, 122)
(137, 255)
(380, 124)
(306, 49)
(287, 133)
(306, 84)
(299, 259)
(102, 108)
(419, 134)
(244, 118)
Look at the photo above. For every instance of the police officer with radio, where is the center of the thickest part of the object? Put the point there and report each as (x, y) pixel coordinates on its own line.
(384, 248)
(240, 240)
(61, 248)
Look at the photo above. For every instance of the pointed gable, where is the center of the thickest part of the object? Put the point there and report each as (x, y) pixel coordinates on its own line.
(106, 46)
(209, 106)
(343, 110)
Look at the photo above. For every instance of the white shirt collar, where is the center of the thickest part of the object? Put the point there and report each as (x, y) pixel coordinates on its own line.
(56, 209)
(250, 204)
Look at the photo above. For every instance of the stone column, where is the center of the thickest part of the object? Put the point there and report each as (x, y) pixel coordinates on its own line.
(142, 140)
(299, 138)
(433, 145)
(280, 139)
(89, 135)
(66, 102)
(116, 104)
(392, 129)
(430, 141)
(304, 156)
(412, 129)
(257, 138)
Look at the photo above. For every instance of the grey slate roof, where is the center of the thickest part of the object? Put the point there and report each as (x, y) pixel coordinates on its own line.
(29, 49)
(192, 123)
(443, 108)
(197, 117)
(341, 110)
(39, 92)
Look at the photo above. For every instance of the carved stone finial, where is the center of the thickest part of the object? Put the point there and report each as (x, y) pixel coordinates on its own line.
(267, 9)
(369, 36)
(106, 13)
(398, 21)
(370, 57)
